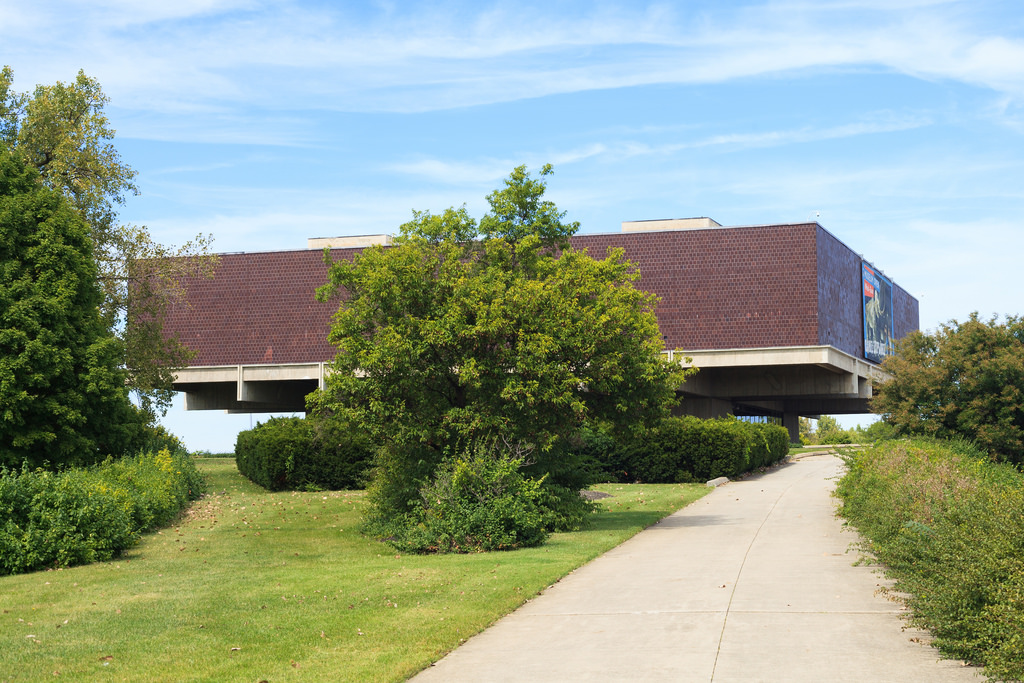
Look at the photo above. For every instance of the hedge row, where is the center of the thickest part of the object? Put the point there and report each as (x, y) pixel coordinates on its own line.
(948, 525)
(288, 453)
(58, 519)
(687, 449)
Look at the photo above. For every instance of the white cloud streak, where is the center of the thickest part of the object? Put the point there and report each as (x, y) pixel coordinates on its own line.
(207, 59)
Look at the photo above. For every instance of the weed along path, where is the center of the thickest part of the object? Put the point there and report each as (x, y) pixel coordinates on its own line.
(754, 582)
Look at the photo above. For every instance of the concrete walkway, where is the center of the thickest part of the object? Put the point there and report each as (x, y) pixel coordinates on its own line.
(751, 583)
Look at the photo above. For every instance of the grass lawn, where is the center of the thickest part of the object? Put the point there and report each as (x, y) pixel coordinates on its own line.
(253, 586)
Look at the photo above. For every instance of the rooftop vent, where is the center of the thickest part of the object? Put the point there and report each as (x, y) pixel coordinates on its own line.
(701, 223)
(353, 242)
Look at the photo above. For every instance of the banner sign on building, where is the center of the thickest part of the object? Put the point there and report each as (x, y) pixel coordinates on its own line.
(878, 323)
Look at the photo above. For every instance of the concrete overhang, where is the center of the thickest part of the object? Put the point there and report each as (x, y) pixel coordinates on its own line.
(810, 380)
(278, 388)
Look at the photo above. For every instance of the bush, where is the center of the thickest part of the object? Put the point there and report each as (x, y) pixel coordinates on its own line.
(264, 453)
(287, 453)
(687, 449)
(966, 380)
(160, 484)
(830, 433)
(949, 527)
(772, 443)
(340, 458)
(476, 502)
(59, 519)
(600, 451)
(155, 438)
(877, 431)
(836, 438)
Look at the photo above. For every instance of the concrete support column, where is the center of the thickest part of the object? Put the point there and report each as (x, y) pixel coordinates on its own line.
(791, 421)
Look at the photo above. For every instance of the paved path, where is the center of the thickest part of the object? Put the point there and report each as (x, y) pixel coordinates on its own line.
(751, 583)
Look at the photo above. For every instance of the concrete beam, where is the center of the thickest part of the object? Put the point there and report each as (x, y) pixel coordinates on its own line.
(809, 380)
(784, 372)
(250, 388)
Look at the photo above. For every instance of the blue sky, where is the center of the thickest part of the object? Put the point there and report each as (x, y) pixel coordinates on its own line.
(898, 124)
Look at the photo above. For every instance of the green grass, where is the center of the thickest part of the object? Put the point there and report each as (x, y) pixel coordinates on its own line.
(252, 585)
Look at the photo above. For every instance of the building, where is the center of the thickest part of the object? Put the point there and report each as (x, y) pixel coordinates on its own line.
(782, 320)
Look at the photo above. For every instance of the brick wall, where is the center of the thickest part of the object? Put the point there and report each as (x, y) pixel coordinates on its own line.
(258, 308)
(779, 285)
(840, 314)
(905, 311)
(726, 288)
(840, 298)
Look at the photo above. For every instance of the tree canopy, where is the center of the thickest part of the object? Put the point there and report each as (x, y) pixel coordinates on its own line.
(496, 333)
(62, 132)
(966, 380)
(62, 391)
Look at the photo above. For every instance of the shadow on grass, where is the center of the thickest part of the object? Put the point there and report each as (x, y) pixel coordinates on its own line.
(623, 520)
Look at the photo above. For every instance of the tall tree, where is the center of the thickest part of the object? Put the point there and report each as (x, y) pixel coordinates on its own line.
(62, 391)
(965, 380)
(459, 335)
(62, 131)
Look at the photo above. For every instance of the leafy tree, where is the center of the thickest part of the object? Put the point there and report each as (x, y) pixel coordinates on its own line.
(62, 392)
(62, 132)
(460, 335)
(806, 430)
(965, 380)
(879, 430)
(830, 432)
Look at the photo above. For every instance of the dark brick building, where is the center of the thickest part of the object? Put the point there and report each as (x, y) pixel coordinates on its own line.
(768, 295)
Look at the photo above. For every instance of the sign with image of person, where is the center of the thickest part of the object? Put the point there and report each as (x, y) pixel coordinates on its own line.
(878, 323)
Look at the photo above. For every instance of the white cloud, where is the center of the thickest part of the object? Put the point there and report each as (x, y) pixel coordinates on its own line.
(946, 265)
(209, 55)
(487, 172)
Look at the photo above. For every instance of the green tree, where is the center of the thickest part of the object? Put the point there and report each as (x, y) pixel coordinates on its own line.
(879, 430)
(829, 431)
(62, 131)
(965, 380)
(806, 430)
(62, 391)
(459, 335)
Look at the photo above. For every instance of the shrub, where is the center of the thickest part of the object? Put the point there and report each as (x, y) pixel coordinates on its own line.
(476, 502)
(655, 456)
(687, 449)
(830, 433)
(877, 431)
(155, 438)
(59, 519)
(769, 443)
(597, 451)
(715, 448)
(838, 437)
(949, 527)
(965, 380)
(264, 453)
(161, 485)
(340, 457)
(287, 453)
